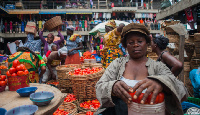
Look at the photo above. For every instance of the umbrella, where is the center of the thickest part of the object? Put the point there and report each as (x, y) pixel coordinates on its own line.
(101, 27)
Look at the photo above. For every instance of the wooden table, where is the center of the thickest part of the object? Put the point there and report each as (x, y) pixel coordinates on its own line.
(11, 99)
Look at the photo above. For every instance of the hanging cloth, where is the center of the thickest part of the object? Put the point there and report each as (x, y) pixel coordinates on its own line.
(189, 16)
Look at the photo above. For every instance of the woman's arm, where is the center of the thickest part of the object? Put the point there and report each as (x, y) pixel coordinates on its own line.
(80, 46)
(41, 36)
(170, 60)
(61, 37)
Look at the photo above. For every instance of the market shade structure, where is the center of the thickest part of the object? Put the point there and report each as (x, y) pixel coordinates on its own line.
(3, 10)
(101, 27)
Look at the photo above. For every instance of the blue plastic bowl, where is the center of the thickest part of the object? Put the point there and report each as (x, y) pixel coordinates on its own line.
(41, 98)
(25, 92)
(3, 111)
(23, 110)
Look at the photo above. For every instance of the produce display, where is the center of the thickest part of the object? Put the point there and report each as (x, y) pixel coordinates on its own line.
(85, 71)
(94, 104)
(159, 98)
(17, 69)
(70, 98)
(87, 55)
(3, 67)
(60, 112)
(53, 83)
(3, 80)
(89, 113)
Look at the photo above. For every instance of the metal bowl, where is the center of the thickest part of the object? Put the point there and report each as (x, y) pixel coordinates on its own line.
(23, 110)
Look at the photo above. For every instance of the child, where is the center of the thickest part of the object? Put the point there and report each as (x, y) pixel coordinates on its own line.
(53, 48)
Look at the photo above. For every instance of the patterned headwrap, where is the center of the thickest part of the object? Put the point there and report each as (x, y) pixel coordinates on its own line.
(111, 23)
(74, 36)
(63, 51)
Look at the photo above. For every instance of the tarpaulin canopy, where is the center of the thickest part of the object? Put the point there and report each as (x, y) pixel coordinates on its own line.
(3, 10)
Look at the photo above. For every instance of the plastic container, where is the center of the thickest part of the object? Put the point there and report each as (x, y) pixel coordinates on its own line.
(86, 60)
(25, 92)
(92, 60)
(3, 111)
(17, 82)
(194, 100)
(23, 110)
(146, 109)
(41, 98)
(187, 105)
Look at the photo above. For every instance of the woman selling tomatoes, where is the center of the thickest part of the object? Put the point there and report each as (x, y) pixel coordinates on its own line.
(138, 73)
(31, 61)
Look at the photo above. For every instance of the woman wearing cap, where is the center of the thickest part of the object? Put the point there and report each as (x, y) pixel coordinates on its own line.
(50, 38)
(54, 59)
(32, 62)
(158, 46)
(137, 72)
(73, 43)
(111, 42)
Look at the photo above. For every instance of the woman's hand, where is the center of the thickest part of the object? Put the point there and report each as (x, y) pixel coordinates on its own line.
(151, 85)
(121, 89)
(70, 51)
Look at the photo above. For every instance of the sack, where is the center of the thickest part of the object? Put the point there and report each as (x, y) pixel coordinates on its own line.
(165, 4)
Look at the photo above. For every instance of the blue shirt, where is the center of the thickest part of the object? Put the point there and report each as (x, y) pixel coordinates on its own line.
(98, 58)
(72, 44)
(34, 45)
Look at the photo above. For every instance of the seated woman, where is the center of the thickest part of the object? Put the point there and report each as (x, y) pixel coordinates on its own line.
(112, 90)
(158, 46)
(32, 62)
(54, 59)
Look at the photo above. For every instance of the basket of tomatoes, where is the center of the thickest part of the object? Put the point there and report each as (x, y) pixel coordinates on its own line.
(3, 82)
(60, 112)
(3, 69)
(18, 76)
(70, 98)
(89, 105)
(63, 79)
(86, 113)
(84, 81)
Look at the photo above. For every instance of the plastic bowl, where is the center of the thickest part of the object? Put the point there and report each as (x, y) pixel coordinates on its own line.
(25, 92)
(3, 111)
(41, 98)
(23, 110)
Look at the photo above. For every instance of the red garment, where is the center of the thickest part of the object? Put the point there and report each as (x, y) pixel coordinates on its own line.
(189, 16)
(48, 53)
(73, 59)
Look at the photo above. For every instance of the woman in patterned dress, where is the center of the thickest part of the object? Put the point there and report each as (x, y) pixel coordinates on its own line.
(111, 42)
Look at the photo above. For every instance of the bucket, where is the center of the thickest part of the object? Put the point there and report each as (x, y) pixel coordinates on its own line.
(17, 82)
(146, 109)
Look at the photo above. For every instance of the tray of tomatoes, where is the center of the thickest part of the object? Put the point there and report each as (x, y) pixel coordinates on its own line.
(3, 82)
(159, 99)
(89, 105)
(17, 69)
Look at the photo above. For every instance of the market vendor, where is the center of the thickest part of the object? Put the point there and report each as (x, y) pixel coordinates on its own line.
(73, 43)
(54, 59)
(32, 62)
(111, 42)
(137, 72)
(50, 39)
(158, 46)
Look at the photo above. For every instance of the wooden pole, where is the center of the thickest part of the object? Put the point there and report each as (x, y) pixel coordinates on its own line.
(181, 55)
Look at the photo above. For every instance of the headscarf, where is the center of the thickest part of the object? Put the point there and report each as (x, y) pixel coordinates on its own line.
(111, 23)
(70, 28)
(74, 36)
(161, 41)
(62, 51)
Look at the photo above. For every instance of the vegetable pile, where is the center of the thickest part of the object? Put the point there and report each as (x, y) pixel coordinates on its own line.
(94, 104)
(86, 71)
(60, 112)
(70, 98)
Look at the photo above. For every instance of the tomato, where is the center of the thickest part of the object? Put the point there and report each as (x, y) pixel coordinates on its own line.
(19, 68)
(8, 74)
(149, 98)
(20, 73)
(26, 72)
(140, 98)
(16, 63)
(14, 74)
(132, 94)
(0, 71)
(89, 113)
(161, 97)
(12, 70)
(2, 78)
(6, 80)
(2, 83)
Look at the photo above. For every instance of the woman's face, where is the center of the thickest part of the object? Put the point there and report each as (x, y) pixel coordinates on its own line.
(136, 45)
(153, 46)
(50, 39)
(108, 29)
(69, 32)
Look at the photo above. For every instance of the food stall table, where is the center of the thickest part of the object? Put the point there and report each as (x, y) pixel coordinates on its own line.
(11, 99)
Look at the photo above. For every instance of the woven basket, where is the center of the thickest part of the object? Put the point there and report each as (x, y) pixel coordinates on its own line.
(69, 107)
(3, 71)
(63, 78)
(197, 37)
(31, 28)
(186, 66)
(83, 86)
(53, 23)
(173, 38)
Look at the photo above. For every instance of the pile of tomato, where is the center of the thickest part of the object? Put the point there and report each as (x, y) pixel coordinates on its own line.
(3, 67)
(89, 113)
(70, 98)
(87, 55)
(17, 69)
(60, 112)
(53, 83)
(94, 104)
(85, 71)
(159, 99)
(3, 80)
